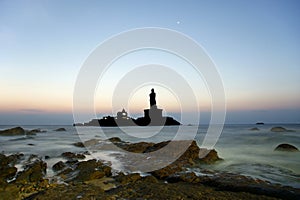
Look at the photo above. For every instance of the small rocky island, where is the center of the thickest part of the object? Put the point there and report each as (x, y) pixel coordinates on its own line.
(152, 117)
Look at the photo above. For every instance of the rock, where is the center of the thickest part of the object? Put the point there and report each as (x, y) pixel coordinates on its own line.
(13, 131)
(60, 129)
(156, 146)
(34, 131)
(91, 169)
(260, 123)
(32, 173)
(78, 191)
(11, 159)
(139, 147)
(78, 144)
(66, 174)
(72, 156)
(91, 142)
(126, 179)
(6, 173)
(150, 179)
(104, 183)
(166, 171)
(7, 169)
(190, 177)
(286, 147)
(210, 157)
(278, 129)
(58, 166)
(190, 157)
(9, 192)
(115, 140)
(254, 129)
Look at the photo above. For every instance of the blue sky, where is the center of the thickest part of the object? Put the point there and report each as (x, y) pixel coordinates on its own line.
(254, 44)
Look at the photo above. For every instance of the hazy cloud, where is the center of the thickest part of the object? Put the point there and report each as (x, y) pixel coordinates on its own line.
(32, 110)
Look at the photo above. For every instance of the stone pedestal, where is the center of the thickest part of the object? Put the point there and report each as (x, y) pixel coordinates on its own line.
(153, 113)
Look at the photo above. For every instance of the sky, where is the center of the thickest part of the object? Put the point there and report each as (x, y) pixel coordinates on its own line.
(255, 46)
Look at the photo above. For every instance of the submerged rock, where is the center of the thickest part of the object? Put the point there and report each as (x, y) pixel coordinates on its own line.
(13, 131)
(34, 131)
(78, 144)
(279, 129)
(19, 131)
(115, 139)
(60, 129)
(254, 129)
(286, 147)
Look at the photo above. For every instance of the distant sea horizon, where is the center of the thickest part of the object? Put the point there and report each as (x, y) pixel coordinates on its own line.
(185, 124)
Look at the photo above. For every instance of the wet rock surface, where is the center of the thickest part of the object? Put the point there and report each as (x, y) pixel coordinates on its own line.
(60, 129)
(78, 144)
(286, 147)
(33, 172)
(34, 131)
(280, 129)
(59, 166)
(13, 131)
(16, 131)
(92, 179)
(72, 156)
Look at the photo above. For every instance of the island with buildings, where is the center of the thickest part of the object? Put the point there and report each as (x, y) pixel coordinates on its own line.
(152, 117)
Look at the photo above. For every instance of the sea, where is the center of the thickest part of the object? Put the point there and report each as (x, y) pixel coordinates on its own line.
(245, 151)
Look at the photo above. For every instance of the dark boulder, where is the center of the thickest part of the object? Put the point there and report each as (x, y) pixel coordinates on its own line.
(115, 140)
(193, 155)
(167, 171)
(279, 129)
(139, 147)
(190, 177)
(32, 173)
(58, 166)
(286, 147)
(210, 157)
(10, 160)
(7, 169)
(78, 144)
(13, 131)
(91, 169)
(126, 179)
(60, 129)
(34, 131)
(72, 156)
(156, 146)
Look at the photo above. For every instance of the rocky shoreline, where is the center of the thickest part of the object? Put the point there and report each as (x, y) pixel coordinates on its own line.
(76, 178)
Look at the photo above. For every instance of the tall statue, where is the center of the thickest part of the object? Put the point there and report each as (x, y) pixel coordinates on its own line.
(152, 98)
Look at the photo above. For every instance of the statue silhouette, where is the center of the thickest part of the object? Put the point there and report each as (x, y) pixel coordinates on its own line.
(152, 98)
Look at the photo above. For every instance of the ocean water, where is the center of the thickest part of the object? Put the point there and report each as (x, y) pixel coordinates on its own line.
(245, 152)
